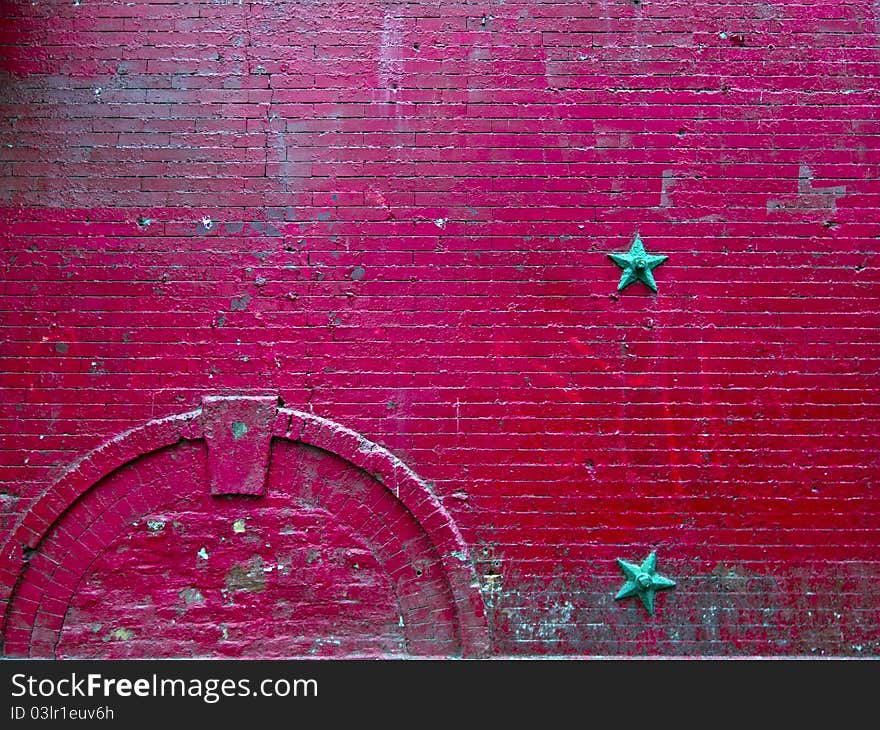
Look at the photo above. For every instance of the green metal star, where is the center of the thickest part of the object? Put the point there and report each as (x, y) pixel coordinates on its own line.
(637, 264)
(642, 581)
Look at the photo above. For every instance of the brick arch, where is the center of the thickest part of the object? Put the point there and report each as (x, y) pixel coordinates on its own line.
(32, 615)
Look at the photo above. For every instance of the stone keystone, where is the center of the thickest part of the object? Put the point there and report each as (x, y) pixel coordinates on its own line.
(238, 430)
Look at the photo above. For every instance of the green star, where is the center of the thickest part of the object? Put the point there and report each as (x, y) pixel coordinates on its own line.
(642, 581)
(637, 264)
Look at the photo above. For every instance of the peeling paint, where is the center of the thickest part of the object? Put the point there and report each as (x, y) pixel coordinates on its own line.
(248, 577)
(668, 181)
(239, 304)
(120, 634)
(191, 596)
(358, 273)
(238, 429)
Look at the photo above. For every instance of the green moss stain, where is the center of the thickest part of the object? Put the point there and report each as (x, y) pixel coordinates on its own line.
(120, 634)
(238, 429)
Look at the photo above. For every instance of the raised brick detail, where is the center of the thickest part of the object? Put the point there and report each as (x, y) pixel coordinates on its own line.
(238, 430)
(354, 562)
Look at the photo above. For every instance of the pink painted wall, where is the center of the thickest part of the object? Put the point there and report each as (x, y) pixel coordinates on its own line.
(396, 216)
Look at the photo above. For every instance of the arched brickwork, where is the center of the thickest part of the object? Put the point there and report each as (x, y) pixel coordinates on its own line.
(370, 496)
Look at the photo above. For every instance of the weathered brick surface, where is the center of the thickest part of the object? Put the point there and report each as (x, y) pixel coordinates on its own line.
(396, 216)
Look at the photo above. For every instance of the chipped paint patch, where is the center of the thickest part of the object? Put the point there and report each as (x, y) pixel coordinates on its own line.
(667, 181)
(238, 429)
(191, 596)
(120, 634)
(249, 577)
(239, 304)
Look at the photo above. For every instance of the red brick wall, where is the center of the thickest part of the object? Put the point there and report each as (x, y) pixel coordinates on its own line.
(396, 215)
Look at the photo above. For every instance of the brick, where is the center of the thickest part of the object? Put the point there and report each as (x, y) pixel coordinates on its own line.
(409, 216)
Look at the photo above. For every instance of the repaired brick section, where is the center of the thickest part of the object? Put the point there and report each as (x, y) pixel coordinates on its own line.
(194, 219)
(238, 430)
(367, 502)
(316, 578)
